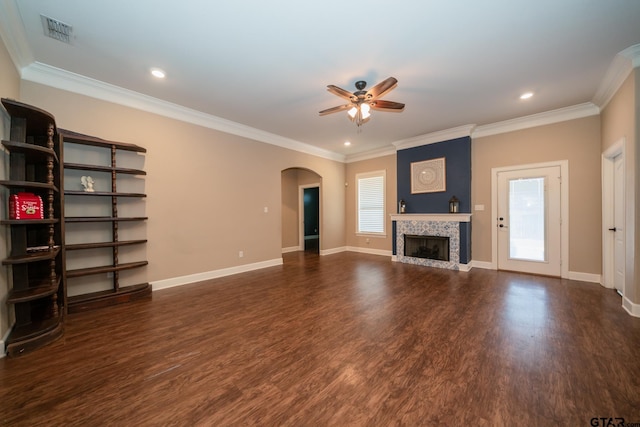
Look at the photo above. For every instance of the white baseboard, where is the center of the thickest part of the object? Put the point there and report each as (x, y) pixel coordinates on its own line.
(573, 275)
(358, 249)
(3, 348)
(631, 308)
(291, 249)
(585, 277)
(332, 251)
(208, 275)
(486, 265)
(465, 267)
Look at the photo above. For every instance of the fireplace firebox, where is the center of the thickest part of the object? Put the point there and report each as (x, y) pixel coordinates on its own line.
(428, 247)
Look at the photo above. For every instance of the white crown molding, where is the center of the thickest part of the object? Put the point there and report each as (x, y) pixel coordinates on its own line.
(623, 63)
(549, 117)
(13, 34)
(434, 137)
(371, 154)
(71, 82)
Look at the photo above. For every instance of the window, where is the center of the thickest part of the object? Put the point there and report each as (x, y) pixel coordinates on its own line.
(370, 208)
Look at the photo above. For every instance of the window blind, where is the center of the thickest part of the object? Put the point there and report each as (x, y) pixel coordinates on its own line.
(371, 204)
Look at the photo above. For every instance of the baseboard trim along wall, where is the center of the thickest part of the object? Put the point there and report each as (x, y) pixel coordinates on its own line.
(208, 275)
(482, 264)
(338, 250)
(3, 349)
(585, 277)
(291, 249)
(382, 252)
(631, 308)
(573, 275)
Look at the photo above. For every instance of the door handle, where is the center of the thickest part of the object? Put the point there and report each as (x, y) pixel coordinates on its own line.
(612, 229)
(503, 226)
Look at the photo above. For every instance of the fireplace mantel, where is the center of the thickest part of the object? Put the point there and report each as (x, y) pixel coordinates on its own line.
(446, 217)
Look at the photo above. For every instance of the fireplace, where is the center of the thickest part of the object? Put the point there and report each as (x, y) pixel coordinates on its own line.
(454, 228)
(427, 247)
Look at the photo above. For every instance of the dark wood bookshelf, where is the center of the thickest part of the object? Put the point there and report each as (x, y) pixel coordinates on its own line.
(119, 292)
(103, 219)
(29, 185)
(105, 269)
(99, 168)
(102, 193)
(37, 292)
(32, 257)
(31, 150)
(27, 222)
(95, 300)
(39, 289)
(80, 246)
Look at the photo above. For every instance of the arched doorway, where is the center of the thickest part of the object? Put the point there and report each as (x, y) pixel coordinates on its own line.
(301, 210)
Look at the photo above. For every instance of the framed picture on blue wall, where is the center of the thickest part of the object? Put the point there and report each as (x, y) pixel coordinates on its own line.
(428, 176)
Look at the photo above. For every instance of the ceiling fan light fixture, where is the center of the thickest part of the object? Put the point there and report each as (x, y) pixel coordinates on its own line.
(361, 101)
(365, 108)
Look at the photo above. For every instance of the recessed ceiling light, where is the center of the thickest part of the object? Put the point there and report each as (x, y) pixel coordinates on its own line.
(347, 143)
(157, 72)
(526, 95)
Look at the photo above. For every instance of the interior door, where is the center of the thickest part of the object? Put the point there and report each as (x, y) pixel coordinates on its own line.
(529, 220)
(311, 206)
(619, 226)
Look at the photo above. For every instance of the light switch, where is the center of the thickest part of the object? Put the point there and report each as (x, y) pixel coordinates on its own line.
(479, 207)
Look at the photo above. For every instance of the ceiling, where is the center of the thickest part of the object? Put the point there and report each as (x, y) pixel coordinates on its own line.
(266, 64)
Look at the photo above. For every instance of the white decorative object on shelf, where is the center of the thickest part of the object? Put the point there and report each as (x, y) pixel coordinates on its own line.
(87, 183)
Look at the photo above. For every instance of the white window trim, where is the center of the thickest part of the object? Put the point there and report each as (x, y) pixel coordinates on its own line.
(372, 174)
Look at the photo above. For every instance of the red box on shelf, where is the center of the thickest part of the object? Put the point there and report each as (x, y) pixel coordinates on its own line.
(25, 206)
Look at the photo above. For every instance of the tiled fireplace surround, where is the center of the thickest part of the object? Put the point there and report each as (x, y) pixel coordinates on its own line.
(445, 225)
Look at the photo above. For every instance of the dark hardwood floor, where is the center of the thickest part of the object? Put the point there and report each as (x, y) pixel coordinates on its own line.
(341, 340)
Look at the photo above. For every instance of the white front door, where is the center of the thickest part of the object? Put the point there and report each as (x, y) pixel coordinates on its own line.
(619, 226)
(529, 220)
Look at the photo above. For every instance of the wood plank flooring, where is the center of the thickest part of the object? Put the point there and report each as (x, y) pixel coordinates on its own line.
(341, 340)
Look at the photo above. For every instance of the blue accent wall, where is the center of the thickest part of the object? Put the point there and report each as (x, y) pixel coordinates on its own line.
(457, 154)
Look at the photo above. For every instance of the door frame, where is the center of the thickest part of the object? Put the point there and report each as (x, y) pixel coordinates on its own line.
(564, 210)
(608, 239)
(301, 189)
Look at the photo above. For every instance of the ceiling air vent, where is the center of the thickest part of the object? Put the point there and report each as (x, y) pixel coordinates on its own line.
(56, 29)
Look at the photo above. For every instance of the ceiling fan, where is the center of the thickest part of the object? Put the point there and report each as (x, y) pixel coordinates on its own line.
(362, 101)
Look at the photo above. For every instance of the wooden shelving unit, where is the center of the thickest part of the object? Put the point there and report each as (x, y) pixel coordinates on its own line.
(117, 291)
(37, 292)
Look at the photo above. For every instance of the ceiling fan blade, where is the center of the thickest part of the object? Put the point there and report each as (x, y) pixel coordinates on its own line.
(335, 109)
(381, 88)
(340, 92)
(381, 104)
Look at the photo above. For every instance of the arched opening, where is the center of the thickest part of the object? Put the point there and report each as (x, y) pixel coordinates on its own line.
(301, 210)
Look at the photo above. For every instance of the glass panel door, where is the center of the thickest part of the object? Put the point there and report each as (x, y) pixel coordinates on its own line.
(527, 219)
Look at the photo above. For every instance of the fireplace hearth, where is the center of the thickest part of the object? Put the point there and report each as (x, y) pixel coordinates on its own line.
(453, 227)
(427, 247)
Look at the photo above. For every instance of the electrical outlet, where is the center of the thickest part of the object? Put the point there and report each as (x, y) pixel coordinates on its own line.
(240, 254)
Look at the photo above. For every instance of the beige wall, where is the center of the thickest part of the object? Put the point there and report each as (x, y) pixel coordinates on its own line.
(9, 88)
(206, 190)
(388, 164)
(577, 141)
(621, 119)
